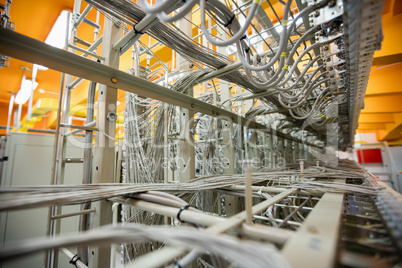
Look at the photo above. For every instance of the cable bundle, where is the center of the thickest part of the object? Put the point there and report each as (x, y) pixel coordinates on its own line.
(24, 197)
(253, 254)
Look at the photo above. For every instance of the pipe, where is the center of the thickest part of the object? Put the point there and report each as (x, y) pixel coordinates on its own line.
(81, 128)
(10, 111)
(113, 247)
(81, 212)
(34, 73)
(86, 52)
(249, 196)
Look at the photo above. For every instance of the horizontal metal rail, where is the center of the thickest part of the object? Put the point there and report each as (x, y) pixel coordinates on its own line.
(73, 160)
(86, 52)
(79, 127)
(81, 212)
(75, 131)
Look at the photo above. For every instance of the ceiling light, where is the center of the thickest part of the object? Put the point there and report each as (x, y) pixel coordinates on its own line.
(40, 67)
(25, 91)
(57, 35)
(41, 90)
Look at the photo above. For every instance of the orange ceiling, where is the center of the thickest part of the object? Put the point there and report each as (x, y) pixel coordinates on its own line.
(34, 19)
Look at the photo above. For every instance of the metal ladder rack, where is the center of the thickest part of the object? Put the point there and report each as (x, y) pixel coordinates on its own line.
(64, 123)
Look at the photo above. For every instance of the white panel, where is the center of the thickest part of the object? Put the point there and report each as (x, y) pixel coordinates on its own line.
(29, 163)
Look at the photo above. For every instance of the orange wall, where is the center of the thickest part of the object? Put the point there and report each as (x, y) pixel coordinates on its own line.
(4, 115)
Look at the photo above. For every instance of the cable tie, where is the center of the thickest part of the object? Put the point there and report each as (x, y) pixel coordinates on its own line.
(178, 265)
(181, 210)
(260, 192)
(285, 23)
(74, 260)
(230, 21)
(286, 66)
(135, 30)
(283, 54)
(244, 37)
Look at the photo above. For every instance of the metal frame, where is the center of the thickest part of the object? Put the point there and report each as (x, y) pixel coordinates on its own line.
(317, 235)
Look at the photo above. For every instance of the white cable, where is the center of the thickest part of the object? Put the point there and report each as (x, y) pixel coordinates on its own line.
(239, 34)
(156, 8)
(183, 11)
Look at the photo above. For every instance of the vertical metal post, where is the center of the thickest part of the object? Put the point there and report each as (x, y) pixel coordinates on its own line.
(287, 152)
(186, 164)
(53, 227)
(103, 162)
(87, 167)
(33, 79)
(307, 154)
(87, 164)
(229, 163)
(50, 224)
(19, 111)
(281, 153)
(253, 150)
(273, 150)
(267, 150)
(165, 142)
(301, 151)
(293, 147)
(10, 112)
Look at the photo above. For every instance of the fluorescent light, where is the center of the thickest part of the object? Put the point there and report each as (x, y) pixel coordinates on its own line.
(40, 67)
(57, 35)
(42, 91)
(25, 91)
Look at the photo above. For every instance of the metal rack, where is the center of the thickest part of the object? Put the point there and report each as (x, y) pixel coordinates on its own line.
(285, 213)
